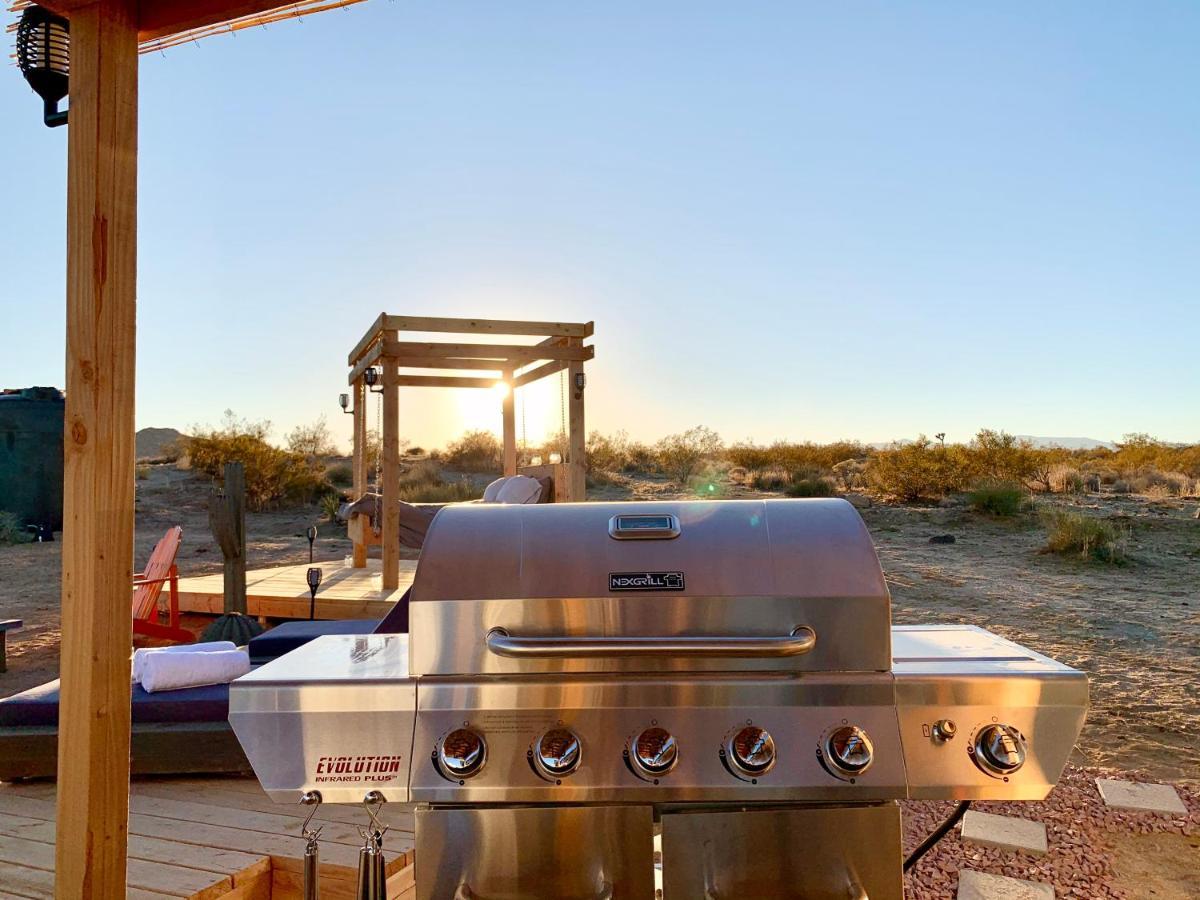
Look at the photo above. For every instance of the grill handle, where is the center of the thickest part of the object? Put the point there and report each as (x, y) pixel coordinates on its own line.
(800, 641)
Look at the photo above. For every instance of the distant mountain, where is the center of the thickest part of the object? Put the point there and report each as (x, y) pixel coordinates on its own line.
(152, 443)
(1070, 443)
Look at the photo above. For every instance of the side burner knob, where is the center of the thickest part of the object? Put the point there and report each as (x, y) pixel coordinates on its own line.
(849, 750)
(751, 752)
(557, 754)
(654, 753)
(999, 750)
(462, 753)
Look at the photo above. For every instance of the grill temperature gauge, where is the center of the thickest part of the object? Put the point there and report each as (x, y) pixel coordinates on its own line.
(654, 753)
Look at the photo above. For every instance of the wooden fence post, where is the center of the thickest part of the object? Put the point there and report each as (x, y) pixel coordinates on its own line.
(98, 477)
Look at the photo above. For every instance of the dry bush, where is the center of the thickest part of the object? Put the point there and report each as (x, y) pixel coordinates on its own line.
(1003, 498)
(340, 474)
(810, 487)
(456, 491)
(999, 456)
(1066, 479)
(475, 451)
(1141, 451)
(918, 470)
(272, 474)
(769, 480)
(680, 455)
(141, 473)
(1120, 486)
(312, 440)
(1074, 534)
(12, 531)
(851, 474)
(607, 453)
(792, 456)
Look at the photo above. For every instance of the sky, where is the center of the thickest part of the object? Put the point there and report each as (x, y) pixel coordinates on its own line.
(800, 221)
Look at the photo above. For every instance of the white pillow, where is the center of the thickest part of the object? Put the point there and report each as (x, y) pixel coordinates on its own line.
(492, 491)
(520, 489)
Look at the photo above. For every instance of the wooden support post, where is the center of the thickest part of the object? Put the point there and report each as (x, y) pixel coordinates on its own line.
(227, 519)
(391, 471)
(360, 459)
(576, 435)
(98, 458)
(510, 425)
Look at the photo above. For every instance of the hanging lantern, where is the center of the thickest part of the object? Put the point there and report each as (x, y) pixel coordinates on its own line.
(44, 57)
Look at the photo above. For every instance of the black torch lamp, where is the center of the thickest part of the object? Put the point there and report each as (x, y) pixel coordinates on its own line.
(311, 534)
(314, 582)
(371, 377)
(344, 403)
(44, 57)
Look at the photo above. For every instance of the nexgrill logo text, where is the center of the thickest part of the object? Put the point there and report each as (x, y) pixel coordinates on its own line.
(645, 581)
(353, 769)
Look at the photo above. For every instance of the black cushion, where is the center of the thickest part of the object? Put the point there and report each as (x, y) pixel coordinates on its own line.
(39, 706)
(288, 636)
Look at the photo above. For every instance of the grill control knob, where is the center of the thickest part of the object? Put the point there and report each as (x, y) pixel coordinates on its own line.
(654, 753)
(462, 753)
(999, 749)
(557, 754)
(751, 751)
(849, 750)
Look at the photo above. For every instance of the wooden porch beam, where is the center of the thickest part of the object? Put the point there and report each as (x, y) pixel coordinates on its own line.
(98, 495)
(542, 371)
(501, 352)
(365, 363)
(391, 473)
(367, 340)
(488, 326)
(359, 456)
(444, 381)
(496, 366)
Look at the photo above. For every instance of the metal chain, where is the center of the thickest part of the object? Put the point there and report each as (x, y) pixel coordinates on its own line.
(562, 413)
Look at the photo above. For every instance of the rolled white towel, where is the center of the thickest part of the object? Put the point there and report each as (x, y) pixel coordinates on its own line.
(139, 655)
(172, 671)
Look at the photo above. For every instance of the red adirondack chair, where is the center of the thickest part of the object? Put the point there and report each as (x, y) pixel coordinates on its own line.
(147, 587)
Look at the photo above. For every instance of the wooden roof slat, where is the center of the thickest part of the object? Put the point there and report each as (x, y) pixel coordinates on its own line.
(367, 340)
(540, 372)
(487, 326)
(511, 352)
(445, 381)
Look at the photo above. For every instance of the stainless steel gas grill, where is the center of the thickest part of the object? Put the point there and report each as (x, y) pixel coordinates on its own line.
(580, 677)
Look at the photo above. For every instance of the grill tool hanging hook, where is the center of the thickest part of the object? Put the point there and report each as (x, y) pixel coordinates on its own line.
(312, 853)
(372, 872)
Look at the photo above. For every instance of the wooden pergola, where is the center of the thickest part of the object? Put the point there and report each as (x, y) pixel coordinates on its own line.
(512, 364)
(97, 557)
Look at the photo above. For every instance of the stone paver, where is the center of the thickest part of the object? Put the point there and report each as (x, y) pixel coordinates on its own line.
(981, 886)
(1004, 832)
(1158, 798)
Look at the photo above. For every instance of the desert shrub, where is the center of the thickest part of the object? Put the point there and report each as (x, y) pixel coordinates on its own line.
(1120, 486)
(1004, 498)
(1140, 451)
(340, 474)
(918, 470)
(793, 456)
(1066, 479)
(312, 440)
(455, 491)
(998, 456)
(738, 475)
(142, 473)
(680, 455)
(850, 474)
(770, 480)
(329, 506)
(1158, 491)
(272, 474)
(415, 451)
(617, 453)
(426, 473)
(810, 487)
(11, 529)
(475, 451)
(1074, 534)
(751, 457)
(1091, 482)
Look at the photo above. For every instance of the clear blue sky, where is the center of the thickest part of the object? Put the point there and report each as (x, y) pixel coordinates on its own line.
(788, 220)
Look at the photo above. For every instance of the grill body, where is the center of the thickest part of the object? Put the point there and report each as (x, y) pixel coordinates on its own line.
(581, 676)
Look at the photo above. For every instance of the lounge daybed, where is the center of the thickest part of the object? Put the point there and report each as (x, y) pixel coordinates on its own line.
(174, 733)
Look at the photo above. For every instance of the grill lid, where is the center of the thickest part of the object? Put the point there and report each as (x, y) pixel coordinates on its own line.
(790, 585)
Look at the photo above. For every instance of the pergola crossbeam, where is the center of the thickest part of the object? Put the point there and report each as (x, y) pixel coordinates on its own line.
(444, 381)
(541, 371)
(512, 353)
(488, 326)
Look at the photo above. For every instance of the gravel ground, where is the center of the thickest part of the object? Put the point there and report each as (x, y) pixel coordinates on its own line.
(1082, 834)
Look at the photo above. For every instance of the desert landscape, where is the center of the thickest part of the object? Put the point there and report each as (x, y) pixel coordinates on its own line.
(1122, 605)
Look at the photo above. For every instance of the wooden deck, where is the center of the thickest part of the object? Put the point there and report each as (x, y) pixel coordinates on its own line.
(205, 839)
(282, 592)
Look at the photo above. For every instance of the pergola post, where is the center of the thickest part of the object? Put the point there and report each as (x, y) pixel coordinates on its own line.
(510, 424)
(359, 456)
(576, 435)
(391, 471)
(98, 477)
